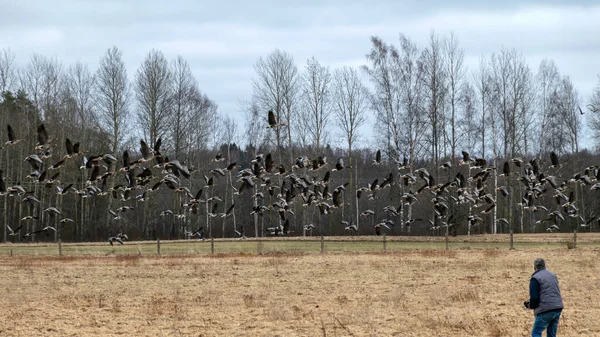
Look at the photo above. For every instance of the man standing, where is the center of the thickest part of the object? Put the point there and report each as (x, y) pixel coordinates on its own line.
(545, 300)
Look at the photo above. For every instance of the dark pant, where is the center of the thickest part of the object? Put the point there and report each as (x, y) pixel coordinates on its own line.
(545, 320)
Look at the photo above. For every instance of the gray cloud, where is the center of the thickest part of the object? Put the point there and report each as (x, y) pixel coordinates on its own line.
(222, 42)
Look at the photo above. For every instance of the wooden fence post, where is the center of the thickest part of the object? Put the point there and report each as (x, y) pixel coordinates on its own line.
(158, 246)
(322, 244)
(59, 247)
(259, 247)
(384, 242)
(574, 239)
(512, 244)
(212, 245)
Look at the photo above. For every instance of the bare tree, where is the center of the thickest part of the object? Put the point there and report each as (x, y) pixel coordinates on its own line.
(255, 138)
(349, 103)
(483, 90)
(385, 98)
(230, 137)
(275, 88)
(203, 115)
(411, 98)
(455, 75)
(41, 78)
(566, 100)
(435, 88)
(152, 88)
(512, 84)
(511, 81)
(80, 84)
(255, 125)
(315, 104)
(112, 95)
(181, 101)
(468, 126)
(8, 70)
(349, 98)
(31, 78)
(547, 82)
(594, 107)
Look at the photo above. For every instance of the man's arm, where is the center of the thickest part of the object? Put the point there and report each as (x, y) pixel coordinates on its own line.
(534, 293)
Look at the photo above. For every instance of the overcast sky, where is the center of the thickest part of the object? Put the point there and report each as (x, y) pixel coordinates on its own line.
(223, 39)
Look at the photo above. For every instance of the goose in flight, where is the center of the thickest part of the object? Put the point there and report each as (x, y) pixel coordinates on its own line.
(177, 168)
(273, 123)
(42, 136)
(167, 212)
(198, 232)
(228, 212)
(378, 227)
(231, 166)
(72, 149)
(12, 139)
(14, 232)
(30, 198)
(367, 213)
(219, 157)
(377, 159)
(48, 228)
(503, 220)
(56, 165)
(340, 165)
(402, 164)
(213, 212)
(218, 171)
(308, 227)
(349, 226)
(554, 160)
(35, 161)
(52, 211)
(114, 239)
(502, 190)
(240, 233)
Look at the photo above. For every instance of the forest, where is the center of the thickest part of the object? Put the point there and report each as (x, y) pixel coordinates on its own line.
(91, 152)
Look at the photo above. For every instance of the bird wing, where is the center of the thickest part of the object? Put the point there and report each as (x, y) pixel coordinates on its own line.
(126, 163)
(554, 158)
(157, 145)
(144, 149)
(69, 146)
(272, 120)
(11, 133)
(42, 135)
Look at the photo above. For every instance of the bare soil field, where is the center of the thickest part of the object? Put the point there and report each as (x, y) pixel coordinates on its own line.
(416, 292)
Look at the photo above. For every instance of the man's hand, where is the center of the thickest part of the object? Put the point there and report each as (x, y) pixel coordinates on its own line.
(526, 304)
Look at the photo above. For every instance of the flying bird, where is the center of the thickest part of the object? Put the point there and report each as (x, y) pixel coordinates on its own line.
(273, 123)
(12, 139)
(554, 160)
(377, 159)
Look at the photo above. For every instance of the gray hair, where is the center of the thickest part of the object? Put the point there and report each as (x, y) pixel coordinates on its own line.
(539, 263)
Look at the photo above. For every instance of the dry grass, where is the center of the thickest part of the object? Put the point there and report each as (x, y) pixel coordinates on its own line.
(403, 293)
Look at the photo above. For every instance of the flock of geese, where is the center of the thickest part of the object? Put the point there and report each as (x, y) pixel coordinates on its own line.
(308, 181)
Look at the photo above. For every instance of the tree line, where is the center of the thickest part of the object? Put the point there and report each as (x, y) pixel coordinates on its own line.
(427, 108)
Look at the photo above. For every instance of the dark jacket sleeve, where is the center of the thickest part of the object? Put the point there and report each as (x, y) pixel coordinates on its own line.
(534, 293)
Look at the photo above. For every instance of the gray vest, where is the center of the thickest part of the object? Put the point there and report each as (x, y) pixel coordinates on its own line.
(550, 298)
